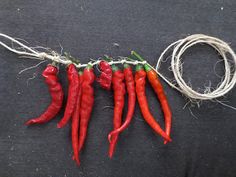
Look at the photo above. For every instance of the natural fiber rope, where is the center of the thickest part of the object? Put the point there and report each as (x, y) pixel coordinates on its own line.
(180, 47)
(29, 52)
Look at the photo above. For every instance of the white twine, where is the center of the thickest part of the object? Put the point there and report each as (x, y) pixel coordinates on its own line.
(180, 47)
(30, 52)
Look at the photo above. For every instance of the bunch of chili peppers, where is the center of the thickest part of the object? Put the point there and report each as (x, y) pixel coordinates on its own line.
(80, 99)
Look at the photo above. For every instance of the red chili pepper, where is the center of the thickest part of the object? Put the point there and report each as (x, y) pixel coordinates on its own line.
(105, 76)
(56, 92)
(157, 86)
(75, 122)
(140, 81)
(73, 79)
(119, 92)
(87, 101)
(130, 85)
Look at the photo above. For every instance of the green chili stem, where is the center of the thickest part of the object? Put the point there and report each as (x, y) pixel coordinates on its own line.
(114, 68)
(135, 54)
(146, 66)
(138, 67)
(107, 58)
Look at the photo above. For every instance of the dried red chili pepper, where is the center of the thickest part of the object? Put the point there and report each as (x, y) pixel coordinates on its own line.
(130, 85)
(75, 122)
(56, 92)
(87, 101)
(119, 92)
(73, 78)
(140, 81)
(106, 75)
(157, 86)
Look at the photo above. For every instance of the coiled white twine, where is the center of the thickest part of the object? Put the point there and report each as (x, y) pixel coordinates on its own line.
(179, 47)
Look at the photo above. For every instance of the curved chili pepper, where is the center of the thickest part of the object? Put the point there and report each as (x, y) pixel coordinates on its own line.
(56, 92)
(87, 101)
(73, 79)
(106, 75)
(157, 86)
(75, 122)
(130, 85)
(140, 81)
(119, 92)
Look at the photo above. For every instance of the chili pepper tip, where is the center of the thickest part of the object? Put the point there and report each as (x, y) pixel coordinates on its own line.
(29, 122)
(59, 125)
(76, 160)
(110, 136)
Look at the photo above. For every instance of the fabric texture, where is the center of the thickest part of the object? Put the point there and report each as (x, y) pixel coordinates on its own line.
(203, 138)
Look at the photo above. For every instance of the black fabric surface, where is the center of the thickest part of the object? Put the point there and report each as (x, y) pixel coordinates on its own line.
(203, 138)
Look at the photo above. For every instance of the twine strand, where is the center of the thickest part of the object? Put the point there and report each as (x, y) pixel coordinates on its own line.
(179, 47)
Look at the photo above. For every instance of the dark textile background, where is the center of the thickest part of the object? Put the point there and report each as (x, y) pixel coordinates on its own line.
(203, 138)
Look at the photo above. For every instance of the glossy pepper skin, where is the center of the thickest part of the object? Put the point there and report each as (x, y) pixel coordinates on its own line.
(119, 99)
(157, 86)
(56, 92)
(140, 80)
(106, 75)
(130, 85)
(73, 78)
(87, 101)
(75, 122)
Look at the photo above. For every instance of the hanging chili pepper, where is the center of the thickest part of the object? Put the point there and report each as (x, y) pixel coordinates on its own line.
(106, 75)
(56, 92)
(140, 81)
(119, 92)
(75, 122)
(157, 86)
(130, 85)
(87, 101)
(73, 79)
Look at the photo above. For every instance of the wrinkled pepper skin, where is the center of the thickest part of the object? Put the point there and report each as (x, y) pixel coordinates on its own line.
(73, 78)
(75, 123)
(140, 80)
(56, 92)
(130, 85)
(87, 102)
(119, 100)
(105, 78)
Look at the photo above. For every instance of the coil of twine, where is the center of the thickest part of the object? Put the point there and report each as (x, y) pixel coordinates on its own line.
(180, 46)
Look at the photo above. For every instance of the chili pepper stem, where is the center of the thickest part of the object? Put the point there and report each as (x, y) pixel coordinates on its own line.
(136, 55)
